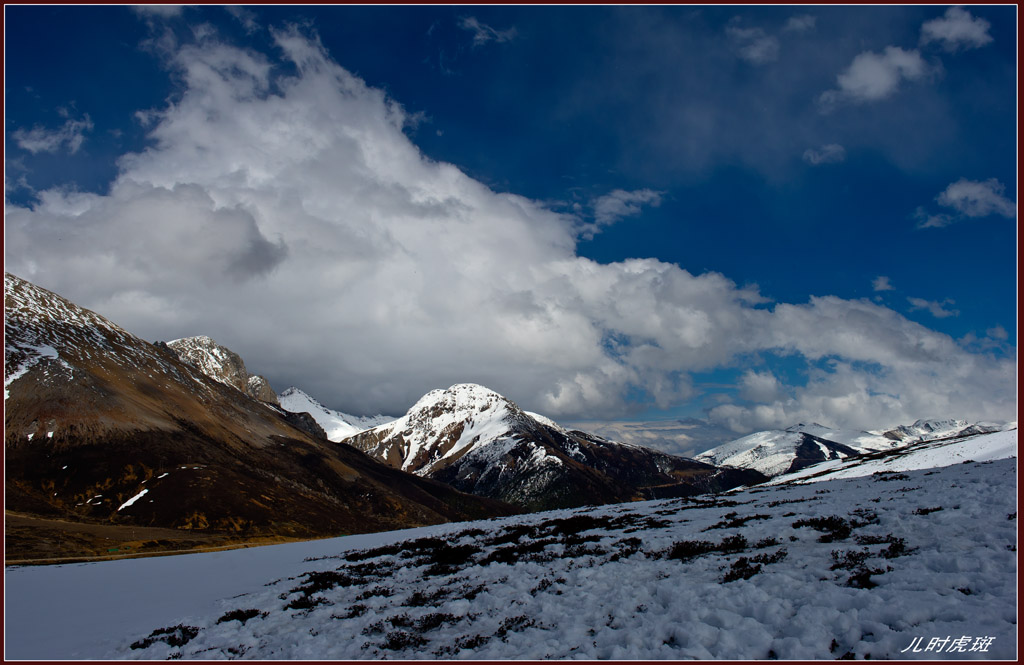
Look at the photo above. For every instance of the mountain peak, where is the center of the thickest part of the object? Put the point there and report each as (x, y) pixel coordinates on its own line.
(222, 364)
(463, 399)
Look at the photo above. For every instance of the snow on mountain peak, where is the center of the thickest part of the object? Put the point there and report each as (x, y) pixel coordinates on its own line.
(446, 424)
(337, 425)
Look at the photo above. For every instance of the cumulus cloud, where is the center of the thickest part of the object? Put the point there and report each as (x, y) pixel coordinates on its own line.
(483, 33)
(935, 308)
(978, 199)
(760, 386)
(70, 136)
(874, 76)
(968, 198)
(283, 211)
(956, 30)
(753, 44)
(874, 366)
(881, 283)
(832, 153)
(687, 437)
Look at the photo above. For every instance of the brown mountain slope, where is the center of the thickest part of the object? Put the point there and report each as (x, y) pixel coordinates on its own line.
(101, 426)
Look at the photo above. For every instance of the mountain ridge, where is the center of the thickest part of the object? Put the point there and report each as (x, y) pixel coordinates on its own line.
(481, 442)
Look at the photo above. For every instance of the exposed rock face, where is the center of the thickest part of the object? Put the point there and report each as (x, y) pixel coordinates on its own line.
(101, 426)
(221, 363)
(480, 442)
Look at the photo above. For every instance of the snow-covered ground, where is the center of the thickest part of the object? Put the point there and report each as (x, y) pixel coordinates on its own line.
(862, 566)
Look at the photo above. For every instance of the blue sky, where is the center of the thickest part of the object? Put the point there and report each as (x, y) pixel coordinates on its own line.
(767, 164)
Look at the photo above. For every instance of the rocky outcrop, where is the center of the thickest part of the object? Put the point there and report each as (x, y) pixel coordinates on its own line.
(222, 364)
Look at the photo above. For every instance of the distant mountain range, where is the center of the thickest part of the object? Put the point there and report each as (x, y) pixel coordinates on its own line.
(103, 428)
(776, 452)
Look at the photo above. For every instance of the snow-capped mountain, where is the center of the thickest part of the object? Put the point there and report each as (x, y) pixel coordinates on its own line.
(480, 442)
(336, 424)
(776, 451)
(104, 427)
(925, 430)
(966, 446)
(221, 363)
(857, 439)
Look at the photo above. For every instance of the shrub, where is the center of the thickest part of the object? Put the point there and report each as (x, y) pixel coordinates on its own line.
(175, 636)
(741, 570)
(833, 527)
(239, 615)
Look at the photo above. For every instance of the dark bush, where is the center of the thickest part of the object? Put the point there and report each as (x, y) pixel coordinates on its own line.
(175, 636)
(741, 570)
(513, 624)
(356, 610)
(306, 603)
(378, 590)
(861, 578)
(731, 521)
(239, 615)
(685, 550)
(833, 527)
(399, 640)
(325, 580)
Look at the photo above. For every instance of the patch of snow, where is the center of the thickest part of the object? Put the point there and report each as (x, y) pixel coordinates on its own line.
(132, 500)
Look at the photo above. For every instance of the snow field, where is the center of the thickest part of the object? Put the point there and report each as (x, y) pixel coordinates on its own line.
(572, 584)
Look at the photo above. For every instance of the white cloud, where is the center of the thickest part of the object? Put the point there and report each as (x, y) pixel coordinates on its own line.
(832, 153)
(881, 283)
(483, 33)
(290, 217)
(927, 220)
(619, 203)
(956, 30)
(760, 386)
(753, 44)
(801, 23)
(874, 368)
(998, 332)
(978, 199)
(935, 308)
(39, 139)
(244, 16)
(874, 76)
(969, 198)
